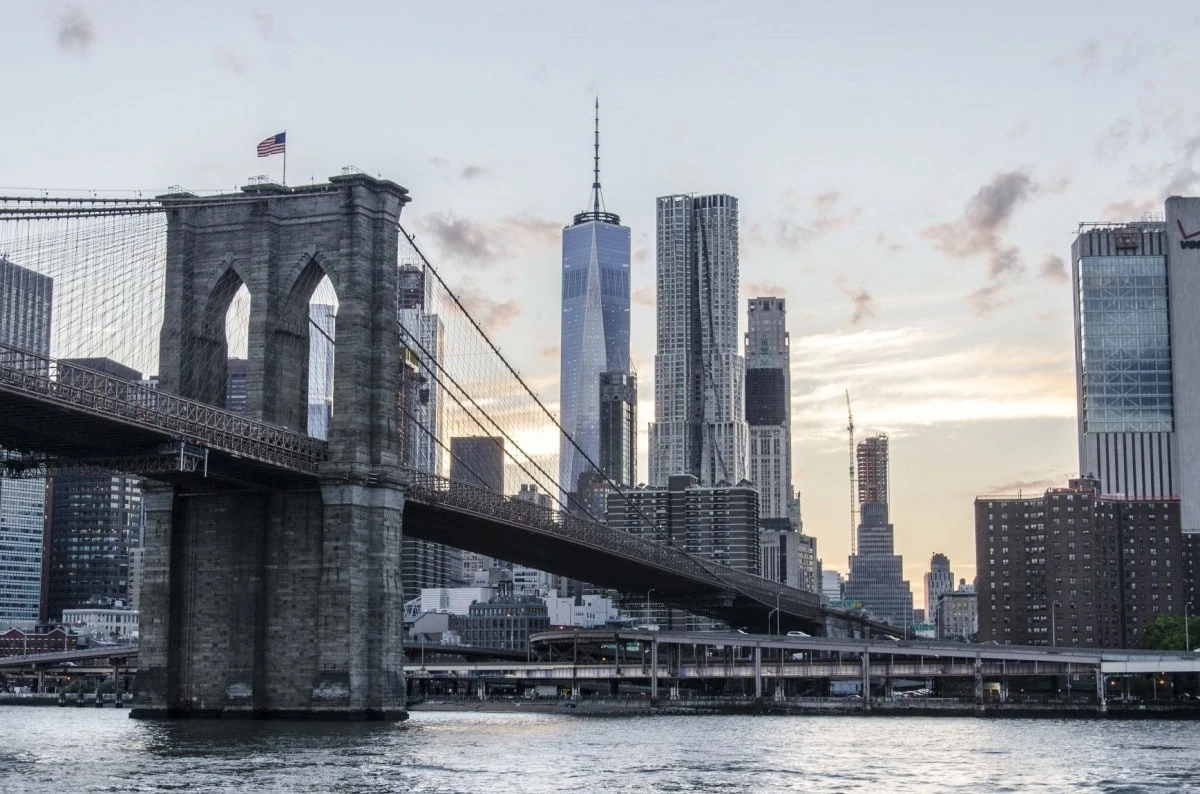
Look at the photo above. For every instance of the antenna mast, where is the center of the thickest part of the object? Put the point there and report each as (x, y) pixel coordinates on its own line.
(853, 480)
(596, 166)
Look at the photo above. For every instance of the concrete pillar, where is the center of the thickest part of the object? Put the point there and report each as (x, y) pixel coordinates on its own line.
(654, 670)
(1101, 691)
(978, 686)
(866, 680)
(758, 681)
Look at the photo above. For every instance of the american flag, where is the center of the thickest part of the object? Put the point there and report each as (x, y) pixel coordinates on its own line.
(273, 145)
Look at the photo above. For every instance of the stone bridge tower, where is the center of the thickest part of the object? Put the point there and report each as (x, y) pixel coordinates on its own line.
(281, 598)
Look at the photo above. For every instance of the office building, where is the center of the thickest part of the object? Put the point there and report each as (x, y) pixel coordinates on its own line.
(1123, 365)
(236, 372)
(958, 613)
(1137, 353)
(95, 523)
(876, 571)
(477, 461)
(717, 523)
(768, 404)
(1075, 566)
(789, 557)
(26, 300)
(322, 322)
(423, 564)
(939, 579)
(595, 328)
(832, 585)
(531, 581)
(618, 427)
(699, 423)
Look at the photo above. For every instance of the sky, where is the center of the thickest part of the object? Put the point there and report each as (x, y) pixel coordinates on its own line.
(910, 179)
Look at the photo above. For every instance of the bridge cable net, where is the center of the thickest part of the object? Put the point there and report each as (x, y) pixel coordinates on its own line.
(482, 394)
(85, 279)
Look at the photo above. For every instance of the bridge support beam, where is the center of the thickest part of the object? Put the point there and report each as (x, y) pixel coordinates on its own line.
(866, 680)
(1101, 691)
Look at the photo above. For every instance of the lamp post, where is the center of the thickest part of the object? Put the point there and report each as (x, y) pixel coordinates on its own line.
(648, 592)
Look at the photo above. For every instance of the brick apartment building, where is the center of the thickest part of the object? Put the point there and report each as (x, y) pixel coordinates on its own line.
(1077, 567)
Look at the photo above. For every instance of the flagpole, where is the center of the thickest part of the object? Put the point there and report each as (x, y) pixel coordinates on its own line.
(285, 158)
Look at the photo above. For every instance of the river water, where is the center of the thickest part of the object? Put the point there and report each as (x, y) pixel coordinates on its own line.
(81, 749)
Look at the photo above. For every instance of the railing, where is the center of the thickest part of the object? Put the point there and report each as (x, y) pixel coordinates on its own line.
(133, 403)
(439, 491)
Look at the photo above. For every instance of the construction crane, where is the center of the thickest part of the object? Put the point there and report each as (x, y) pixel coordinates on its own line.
(853, 480)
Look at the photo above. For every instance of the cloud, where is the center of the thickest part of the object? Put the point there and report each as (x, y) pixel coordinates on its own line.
(1129, 210)
(988, 298)
(909, 377)
(978, 232)
(483, 243)
(231, 62)
(1054, 269)
(1113, 141)
(472, 172)
(439, 162)
(793, 235)
(490, 313)
(550, 353)
(641, 255)
(883, 241)
(643, 296)
(1018, 130)
(1085, 57)
(860, 299)
(763, 289)
(269, 28)
(76, 33)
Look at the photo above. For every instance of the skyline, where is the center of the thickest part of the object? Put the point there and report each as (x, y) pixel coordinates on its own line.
(885, 176)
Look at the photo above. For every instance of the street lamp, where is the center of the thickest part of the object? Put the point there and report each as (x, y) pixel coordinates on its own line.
(777, 615)
(648, 592)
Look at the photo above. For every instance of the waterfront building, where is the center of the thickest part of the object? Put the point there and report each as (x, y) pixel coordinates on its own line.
(1075, 566)
(768, 404)
(876, 571)
(594, 332)
(699, 423)
(939, 579)
(958, 613)
(718, 523)
(102, 622)
(26, 302)
(531, 581)
(19, 642)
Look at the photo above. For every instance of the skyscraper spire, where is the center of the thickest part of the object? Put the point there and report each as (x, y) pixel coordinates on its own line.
(596, 166)
(594, 211)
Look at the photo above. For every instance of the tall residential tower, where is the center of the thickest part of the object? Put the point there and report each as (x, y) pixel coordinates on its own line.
(699, 423)
(595, 324)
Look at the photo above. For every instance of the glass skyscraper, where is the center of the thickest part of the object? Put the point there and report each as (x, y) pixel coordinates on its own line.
(1123, 360)
(595, 326)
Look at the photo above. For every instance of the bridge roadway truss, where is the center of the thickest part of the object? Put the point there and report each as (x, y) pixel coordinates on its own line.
(74, 417)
